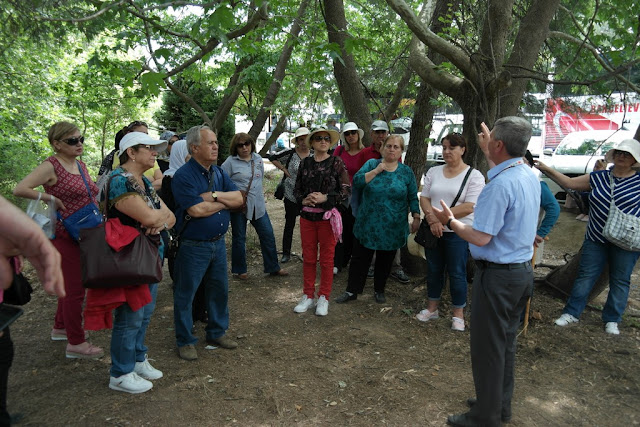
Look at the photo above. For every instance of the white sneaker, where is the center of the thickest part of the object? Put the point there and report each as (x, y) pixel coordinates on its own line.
(457, 324)
(130, 383)
(304, 304)
(565, 319)
(612, 328)
(146, 371)
(322, 308)
(426, 315)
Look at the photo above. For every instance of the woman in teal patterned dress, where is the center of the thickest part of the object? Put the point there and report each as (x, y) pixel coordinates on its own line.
(389, 192)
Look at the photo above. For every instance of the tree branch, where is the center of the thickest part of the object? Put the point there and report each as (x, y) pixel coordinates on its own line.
(598, 57)
(254, 20)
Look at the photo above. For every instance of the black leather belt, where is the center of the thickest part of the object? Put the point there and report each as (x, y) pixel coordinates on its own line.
(486, 264)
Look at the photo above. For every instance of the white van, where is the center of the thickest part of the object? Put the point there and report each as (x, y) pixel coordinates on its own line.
(578, 152)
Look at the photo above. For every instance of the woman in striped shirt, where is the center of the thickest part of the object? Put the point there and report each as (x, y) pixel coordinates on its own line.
(596, 250)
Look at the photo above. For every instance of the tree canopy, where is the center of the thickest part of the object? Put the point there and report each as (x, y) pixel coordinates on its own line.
(102, 63)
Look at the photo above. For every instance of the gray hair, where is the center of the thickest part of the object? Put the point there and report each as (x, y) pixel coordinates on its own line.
(515, 132)
(194, 136)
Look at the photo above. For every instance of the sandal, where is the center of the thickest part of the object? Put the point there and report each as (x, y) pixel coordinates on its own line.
(89, 352)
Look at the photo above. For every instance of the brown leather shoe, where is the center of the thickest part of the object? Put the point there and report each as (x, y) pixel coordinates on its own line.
(280, 272)
(243, 276)
(188, 352)
(223, 342)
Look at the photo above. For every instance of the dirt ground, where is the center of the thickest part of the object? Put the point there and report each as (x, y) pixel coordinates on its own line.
(363, 364)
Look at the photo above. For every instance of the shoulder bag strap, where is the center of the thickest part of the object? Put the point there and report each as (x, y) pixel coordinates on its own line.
(86, 184)
(252, 173)
(464, 182)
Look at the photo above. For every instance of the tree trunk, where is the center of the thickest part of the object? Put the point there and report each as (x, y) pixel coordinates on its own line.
(344, 69)
(277, 131)
(398, 94)
(231, 96)
(561, 279)
(278, 74)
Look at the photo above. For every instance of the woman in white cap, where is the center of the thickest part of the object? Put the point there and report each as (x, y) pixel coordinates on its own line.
(351, 154)
(322, 185)
(133, 200)
(67, 184)
(622, 183)
(289, 161)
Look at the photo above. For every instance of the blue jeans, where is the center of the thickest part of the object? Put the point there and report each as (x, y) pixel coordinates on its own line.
(239, 243)
(451, 256)
(129, 332)
(594, 257)
(200, 261)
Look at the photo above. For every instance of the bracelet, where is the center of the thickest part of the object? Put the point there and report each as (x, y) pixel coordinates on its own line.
(449, 223)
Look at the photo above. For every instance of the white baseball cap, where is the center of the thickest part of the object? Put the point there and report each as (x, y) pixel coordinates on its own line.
(139, 138)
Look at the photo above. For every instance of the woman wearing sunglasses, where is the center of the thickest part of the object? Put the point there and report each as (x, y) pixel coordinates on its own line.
(67, 183)
(622, 184)
(322, 184)
(246, 169)
(351, 154)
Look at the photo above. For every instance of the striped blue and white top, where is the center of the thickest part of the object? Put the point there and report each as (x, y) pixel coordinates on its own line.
(626, 196)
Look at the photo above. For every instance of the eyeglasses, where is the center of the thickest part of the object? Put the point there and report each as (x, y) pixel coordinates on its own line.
(74, 140)
(136, 124)
(244, 144)
(622, 153)
(148, 147)
(350, 132)
(322, 138)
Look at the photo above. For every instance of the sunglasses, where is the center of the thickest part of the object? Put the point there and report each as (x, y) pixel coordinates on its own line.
(350, 132)
(74, 141)
(136, 124)
(148, 147)
(622, 153)
(322, 138)
(380, 132)
(244, 144)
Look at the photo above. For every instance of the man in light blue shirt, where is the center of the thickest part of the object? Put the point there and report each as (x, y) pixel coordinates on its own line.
(501, 241)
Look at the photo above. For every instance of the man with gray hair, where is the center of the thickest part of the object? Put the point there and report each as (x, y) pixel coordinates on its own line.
(203, 194)
(501, 241)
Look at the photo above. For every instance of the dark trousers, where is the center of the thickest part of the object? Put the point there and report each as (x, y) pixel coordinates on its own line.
(291, 212)
(344, 249)
(498, 297)
(360, 261)
(6, 358)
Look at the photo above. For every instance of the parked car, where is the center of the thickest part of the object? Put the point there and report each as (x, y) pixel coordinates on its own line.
(578, 152)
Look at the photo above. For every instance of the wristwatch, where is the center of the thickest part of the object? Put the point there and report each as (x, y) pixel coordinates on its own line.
(449, 223)
(215, 196)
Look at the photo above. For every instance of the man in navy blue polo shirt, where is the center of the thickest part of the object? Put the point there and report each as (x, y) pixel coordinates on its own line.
(202, 256)
(501, 241)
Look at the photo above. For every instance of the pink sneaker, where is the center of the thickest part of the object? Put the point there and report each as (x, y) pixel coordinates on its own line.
(426, 315)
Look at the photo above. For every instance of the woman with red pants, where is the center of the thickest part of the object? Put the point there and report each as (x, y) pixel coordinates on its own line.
(322, 184)
(67, 183)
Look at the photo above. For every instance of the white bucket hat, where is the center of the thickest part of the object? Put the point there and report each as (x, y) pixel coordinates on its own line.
(350, 126)
(301, 131)
(139, 138)
(631, 146)
(335, 136)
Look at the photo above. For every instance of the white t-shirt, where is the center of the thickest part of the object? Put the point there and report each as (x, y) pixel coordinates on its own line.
(437, 187)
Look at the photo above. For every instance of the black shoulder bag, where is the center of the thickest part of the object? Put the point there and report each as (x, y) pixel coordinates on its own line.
(424, 236)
